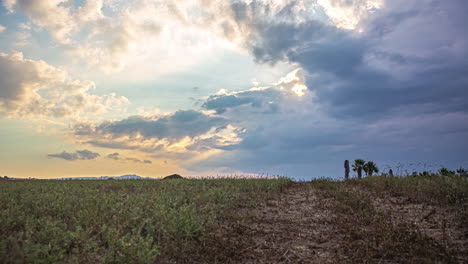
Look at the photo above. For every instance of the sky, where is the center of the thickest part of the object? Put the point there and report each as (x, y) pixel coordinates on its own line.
(231, 87)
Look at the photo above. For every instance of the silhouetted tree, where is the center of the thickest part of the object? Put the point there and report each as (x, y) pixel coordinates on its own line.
(357, 166)
(346, 166)
(462, 172)
(370, 167)
(425, 174)
(446, 172)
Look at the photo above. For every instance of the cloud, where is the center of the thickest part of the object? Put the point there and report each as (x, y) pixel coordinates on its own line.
(77, 155)
(117, 35)
(189, 137)
(172, 135)
(2, 28)
(253, 98)
(400, 59)
(191, 134)
(361, 82)
(180, 124)
(139, 161)
(35, 88)
(260, 99)
(58, 18)
(114, 156)
(349, 14)
(8, 4)
(117, 156)
(107, 39)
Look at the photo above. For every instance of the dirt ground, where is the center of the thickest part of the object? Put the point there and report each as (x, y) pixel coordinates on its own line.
(297, 227)
(288, 229)
(439, 223)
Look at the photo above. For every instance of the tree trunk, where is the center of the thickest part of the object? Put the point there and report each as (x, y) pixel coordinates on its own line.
(359, 173)
(346, 166)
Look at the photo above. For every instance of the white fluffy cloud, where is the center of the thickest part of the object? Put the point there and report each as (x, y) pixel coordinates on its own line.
(50, 14)
(30, 88)
(2, 28)
(114, 34)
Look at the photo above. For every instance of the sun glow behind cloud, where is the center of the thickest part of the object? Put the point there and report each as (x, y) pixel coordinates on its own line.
(348, 14)
(299, 89)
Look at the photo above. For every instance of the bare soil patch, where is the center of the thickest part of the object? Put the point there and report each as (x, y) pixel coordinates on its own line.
(441, 223)
(338, 222)
(293, 228)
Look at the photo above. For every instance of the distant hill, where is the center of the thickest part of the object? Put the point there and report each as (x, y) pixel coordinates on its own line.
(173, 176)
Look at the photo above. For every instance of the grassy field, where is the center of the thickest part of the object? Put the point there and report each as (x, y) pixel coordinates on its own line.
(412, 219)
(118, 221)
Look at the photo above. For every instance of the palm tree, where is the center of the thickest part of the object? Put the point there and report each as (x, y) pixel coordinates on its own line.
(358, 166)
(370, 167)
(462, 171)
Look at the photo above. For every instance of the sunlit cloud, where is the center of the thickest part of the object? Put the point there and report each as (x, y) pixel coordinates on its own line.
(348, 14)
(33, 88)
(299, 89)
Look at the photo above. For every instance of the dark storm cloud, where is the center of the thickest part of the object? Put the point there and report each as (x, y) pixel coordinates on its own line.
(77, 155)
(382, 69)
(394, 92)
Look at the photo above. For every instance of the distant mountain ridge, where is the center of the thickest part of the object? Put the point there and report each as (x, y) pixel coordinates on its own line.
(123, 177)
